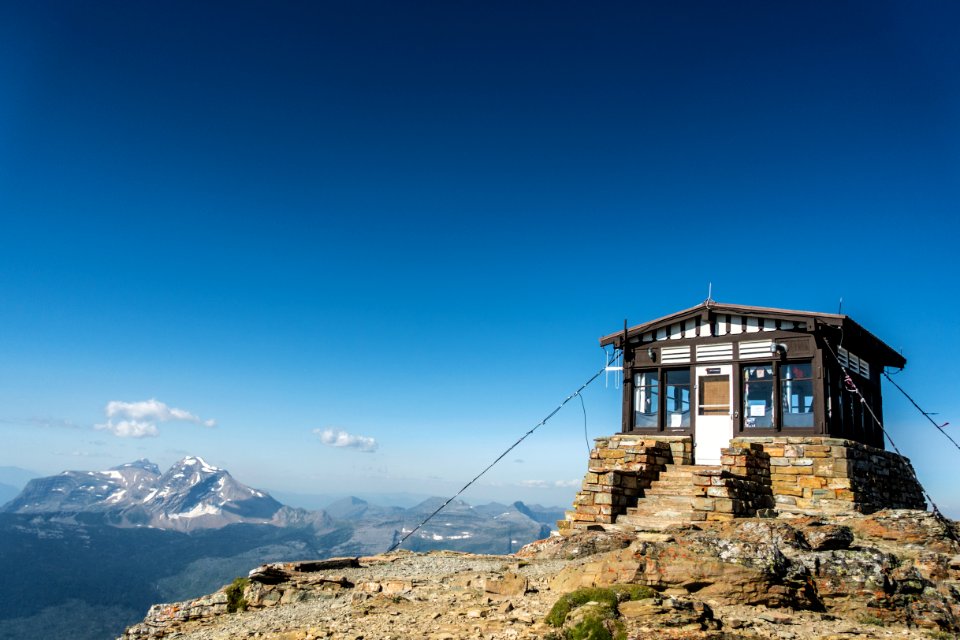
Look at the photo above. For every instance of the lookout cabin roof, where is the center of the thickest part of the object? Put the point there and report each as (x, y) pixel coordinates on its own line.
(716, 318)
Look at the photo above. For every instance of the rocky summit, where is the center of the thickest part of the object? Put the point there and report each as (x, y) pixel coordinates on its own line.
(891, 574)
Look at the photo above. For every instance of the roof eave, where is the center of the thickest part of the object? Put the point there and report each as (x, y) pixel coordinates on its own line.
(888, 356)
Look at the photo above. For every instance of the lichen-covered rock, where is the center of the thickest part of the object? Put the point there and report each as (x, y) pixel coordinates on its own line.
(579, 544)
(828, 537)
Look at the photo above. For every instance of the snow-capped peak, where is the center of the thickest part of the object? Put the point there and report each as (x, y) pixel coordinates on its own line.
(141, 464)
(191, 494)
(190, 461)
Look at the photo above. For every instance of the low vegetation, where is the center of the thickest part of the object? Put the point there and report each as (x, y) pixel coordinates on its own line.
(596, 627)
(600, 621)
(235, 600)
(872, 620)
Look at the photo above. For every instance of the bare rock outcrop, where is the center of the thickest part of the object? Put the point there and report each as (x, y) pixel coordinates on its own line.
(889, 574)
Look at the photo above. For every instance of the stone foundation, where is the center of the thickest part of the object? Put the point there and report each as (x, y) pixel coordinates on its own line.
(819, 475)
(620, 468)
(758, 476)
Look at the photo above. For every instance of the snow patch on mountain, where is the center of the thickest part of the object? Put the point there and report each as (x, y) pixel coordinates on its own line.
(192, 494)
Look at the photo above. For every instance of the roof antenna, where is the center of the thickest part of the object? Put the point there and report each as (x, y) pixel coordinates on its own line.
(840, 306)
(709, 299)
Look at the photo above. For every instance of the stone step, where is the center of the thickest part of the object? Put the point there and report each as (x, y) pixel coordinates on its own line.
(674, 479)
(684, 473)
(658, 502)
(675, 491)
(648, 507)
(674, 482)
(689, 468)
(668, 501)
(676, 471)
(651, 522)
(665, 511)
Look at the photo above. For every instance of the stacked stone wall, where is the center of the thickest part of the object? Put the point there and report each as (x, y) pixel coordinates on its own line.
(739, 488)
(833, 475)
(620, 468)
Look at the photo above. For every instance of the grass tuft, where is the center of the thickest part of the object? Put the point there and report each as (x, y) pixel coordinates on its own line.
(608, 596)
(235, 600)
(874, 620)
(590, 628)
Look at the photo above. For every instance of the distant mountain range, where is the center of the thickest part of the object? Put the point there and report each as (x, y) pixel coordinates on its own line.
(89, 551)
(12, 481)
(190, 495)
(7, 492)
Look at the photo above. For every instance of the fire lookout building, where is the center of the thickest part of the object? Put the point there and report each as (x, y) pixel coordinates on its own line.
(717, 371)
(737, 411)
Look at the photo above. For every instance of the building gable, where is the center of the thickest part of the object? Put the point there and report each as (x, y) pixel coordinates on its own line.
(712, 320)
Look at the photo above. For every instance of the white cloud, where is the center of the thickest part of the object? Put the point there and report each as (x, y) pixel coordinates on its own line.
(77, 453)
(40, 422)
(140, 419)
(534, 484)
(340, 438)
(546, 484)
(152, 411)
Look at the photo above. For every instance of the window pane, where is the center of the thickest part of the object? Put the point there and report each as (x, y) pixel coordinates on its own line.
(796, 394)
(758, 397)
(678, 399)
(646, 396)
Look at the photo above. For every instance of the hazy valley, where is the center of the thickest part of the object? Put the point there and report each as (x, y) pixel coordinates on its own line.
(86, 553)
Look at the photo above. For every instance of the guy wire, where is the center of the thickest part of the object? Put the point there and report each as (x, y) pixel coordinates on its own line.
(502, 455)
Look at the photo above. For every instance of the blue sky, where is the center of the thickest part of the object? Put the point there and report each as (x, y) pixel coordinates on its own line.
(411, 221)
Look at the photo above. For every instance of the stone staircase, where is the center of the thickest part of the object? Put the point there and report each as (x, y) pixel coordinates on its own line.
(668, 502)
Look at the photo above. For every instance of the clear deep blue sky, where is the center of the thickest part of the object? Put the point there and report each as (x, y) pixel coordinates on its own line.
(411, 221)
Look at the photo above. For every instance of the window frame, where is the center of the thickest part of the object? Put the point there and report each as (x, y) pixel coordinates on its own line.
(662, 425)
(783, 401)
(657, 392)
(778, 426)
(775, 413)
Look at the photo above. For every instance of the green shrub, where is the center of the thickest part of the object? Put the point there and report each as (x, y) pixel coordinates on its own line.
(627, 592)
(599, 623)
(235, 600)
(874, 620)
(590, 628)
(607, 596)
(578, 598)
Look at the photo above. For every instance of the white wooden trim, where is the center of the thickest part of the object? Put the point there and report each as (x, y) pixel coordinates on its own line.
(675, 355)
(736, 324)
(755, 349)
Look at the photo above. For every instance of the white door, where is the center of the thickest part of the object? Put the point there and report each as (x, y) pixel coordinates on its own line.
(714, 426)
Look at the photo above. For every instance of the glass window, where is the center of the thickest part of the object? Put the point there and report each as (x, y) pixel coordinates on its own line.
(758, 397)
(678, 399)
(796, 394)
(646, 400)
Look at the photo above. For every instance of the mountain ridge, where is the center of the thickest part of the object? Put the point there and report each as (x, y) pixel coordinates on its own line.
(191, 494)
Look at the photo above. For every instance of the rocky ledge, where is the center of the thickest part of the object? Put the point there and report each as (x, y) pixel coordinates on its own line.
(885, 575)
